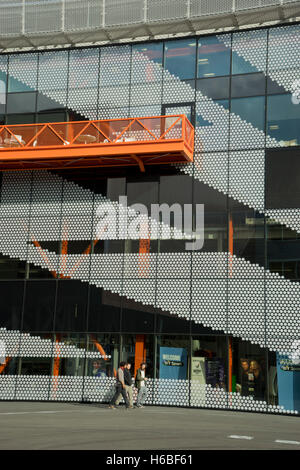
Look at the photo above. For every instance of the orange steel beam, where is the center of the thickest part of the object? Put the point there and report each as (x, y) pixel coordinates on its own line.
(7, 361)
(140, 352)
(111, 142)
(140, 163)
(144, 257)
(230, 243)
(230, 364)
(64, 249)
(99, 347)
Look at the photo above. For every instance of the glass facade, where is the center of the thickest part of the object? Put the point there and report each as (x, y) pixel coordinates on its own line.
(218, 327)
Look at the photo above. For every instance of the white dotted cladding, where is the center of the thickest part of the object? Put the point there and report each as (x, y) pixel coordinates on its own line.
(83, 79)
(247, 177)
(24, 68)
(15, 194)
(288, 217)
(46, 194)
(246, 310)
(53, 75)
(282, 314)
(174, 296)
(209, 168)
(213, 134)
(284, 48)
(209, 303)
(251, 46)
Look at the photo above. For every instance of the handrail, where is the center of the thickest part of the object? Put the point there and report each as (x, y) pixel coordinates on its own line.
(26, 18)
(23, 136)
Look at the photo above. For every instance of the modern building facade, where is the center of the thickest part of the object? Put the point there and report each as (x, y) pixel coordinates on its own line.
(219, 326)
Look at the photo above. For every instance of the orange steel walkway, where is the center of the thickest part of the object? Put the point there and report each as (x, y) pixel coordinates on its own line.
(85, 144)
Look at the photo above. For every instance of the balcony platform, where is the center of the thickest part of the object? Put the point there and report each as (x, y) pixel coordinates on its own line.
(86, 144)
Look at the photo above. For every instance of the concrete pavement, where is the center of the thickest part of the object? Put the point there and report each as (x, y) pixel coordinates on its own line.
(26, 425)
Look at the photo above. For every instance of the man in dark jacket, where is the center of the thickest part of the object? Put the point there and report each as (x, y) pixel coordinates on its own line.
(128, 386)
(120, 387)
(140, 383)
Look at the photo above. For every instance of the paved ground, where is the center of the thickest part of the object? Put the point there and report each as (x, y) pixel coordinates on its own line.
(26, 425)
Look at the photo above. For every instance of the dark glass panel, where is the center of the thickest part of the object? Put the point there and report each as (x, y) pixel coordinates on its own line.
(36, 366)
(251, 110)
(142, 192)
(248, 233)
(46, 104)
(248, 85)
(20, 118)
(213, 57)
(39, 306)
(274, 88)
(11, 295)
(137, 317)
(216, 88)
(283, 250)
(180, 57)
(282, 178)
(21, 103)
(283, 119)
(11, 268)
(116, 187)
(52, 117)
(168, 323)
(104, 310)
(71, 306)
(215, 216)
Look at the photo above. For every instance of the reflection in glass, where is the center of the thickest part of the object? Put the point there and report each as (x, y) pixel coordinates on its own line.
(213, 57)
(69, 364)
(21, 103)
(153, 51)
(180, 57)
(11, 295)
(39, 305)
(248, 235)
(104, 310)
(283, 117)
(209, 361)
(251, 110)
(283, 249)
(107, 345)
(71, 306)
(248, 85)
(20, 118)
(249, 370)
(215, 88)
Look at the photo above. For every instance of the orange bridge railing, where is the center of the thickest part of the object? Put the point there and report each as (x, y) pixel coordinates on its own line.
(115, 142)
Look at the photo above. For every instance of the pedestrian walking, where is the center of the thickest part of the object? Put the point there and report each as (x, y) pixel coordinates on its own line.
(120, 387)
(140, 383)
(128, 386)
